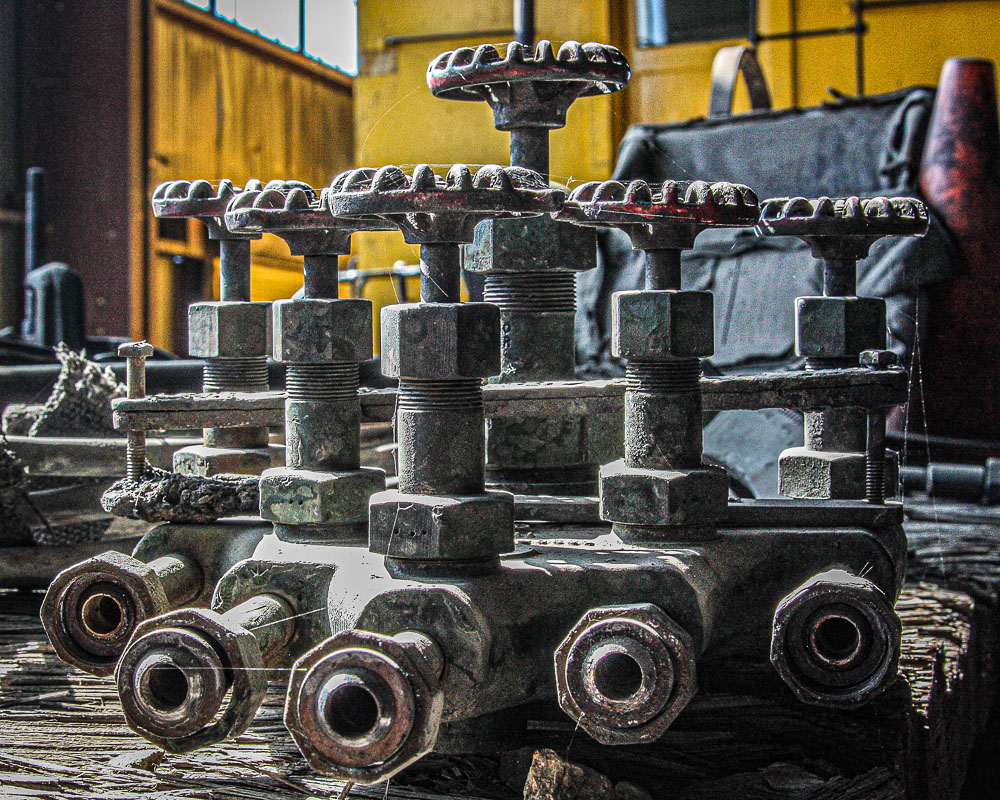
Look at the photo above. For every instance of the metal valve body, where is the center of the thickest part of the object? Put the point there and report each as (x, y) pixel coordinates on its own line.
(401, 619)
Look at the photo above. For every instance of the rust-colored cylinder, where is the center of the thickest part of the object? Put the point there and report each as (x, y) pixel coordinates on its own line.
(960, 180)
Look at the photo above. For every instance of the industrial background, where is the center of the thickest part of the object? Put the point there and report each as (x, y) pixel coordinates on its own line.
(112, 97)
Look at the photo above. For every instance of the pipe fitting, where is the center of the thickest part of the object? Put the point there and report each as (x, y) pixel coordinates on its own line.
(195, 677)
(362, 706)
(92, 609)
(624, 673)
(836, 640)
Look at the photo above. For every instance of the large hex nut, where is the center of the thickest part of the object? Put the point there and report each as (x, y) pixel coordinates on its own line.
(241, 658)
(426, 527)
(651, 324)
(304, 497)
(539, 244)
(593, 662)
(652, 497)
(229, 329)
(836, 640)
(819, 475)
(320, 331)
(398, 740)
(838, 327)
(441, 340)
(131, 585)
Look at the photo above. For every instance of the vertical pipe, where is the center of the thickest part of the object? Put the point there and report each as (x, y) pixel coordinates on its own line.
(234, 269)
(859, 46)
(524, 21)
(34, 219)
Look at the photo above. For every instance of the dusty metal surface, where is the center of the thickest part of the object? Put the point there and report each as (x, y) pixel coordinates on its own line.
(432, 615)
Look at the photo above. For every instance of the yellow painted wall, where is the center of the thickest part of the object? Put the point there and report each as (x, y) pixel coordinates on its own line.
(904, 46)
(218, 109)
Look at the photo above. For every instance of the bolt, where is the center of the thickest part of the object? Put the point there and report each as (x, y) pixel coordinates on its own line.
(876, 360)
(135, 354)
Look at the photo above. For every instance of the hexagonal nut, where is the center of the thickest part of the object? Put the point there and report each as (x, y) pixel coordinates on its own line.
(633, 496)
(441, 340)
(819, 475)
(378, 666)
(624, 673)
(836, 640)
(207, 461)
(229, 329)
(85, 631)
(651, 324)
(538, 244)
(320, 331)
(838, 327)
(240, 656)
(304, 497)
(428, 527)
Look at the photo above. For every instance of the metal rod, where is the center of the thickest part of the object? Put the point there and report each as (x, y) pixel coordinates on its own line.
(843, 30)
(234, 269)
(440, 273)
(34, 219)
(524, 21)
(529, 148)
(321, 278)
(416, 38)
(859, 46)
(663, 269)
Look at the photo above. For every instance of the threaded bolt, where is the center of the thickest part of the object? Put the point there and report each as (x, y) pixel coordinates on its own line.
(135, 355)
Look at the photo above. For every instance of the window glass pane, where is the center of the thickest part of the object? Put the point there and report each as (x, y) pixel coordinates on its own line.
(277, 20)
(205, 4)
(661, 22)
(332, 33)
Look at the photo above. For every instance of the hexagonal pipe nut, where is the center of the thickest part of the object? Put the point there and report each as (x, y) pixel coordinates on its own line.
(210, 651)
(624, 673)
(538, 244)
(652, 497)
(836, 640)
(429, 527)
(229, 329)
(306, 497)
(320, 331)
(441, 340)
(361, 707)
(653, 324)
(819, 475)
(839, 327)
(71, 612)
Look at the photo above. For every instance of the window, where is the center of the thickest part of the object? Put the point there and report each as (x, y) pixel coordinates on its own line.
(660, 22)
(329, 27)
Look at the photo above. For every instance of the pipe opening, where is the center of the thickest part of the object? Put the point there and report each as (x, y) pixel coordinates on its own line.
(102, 614)
(167, 687)
(617, 676)
(836, 639)
(352, 711)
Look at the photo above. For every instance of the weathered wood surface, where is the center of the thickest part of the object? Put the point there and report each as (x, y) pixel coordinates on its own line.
(62, 734)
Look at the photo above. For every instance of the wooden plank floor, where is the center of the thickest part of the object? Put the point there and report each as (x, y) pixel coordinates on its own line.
(62, 734)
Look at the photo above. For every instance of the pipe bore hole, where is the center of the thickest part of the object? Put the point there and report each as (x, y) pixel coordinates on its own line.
(836, 638)
(352, 711)
(168, 687)
(617, 676)
(102, 614)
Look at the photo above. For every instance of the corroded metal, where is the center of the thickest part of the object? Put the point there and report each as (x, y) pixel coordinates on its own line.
(834, 330)
(530, 267)
(231, 334)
